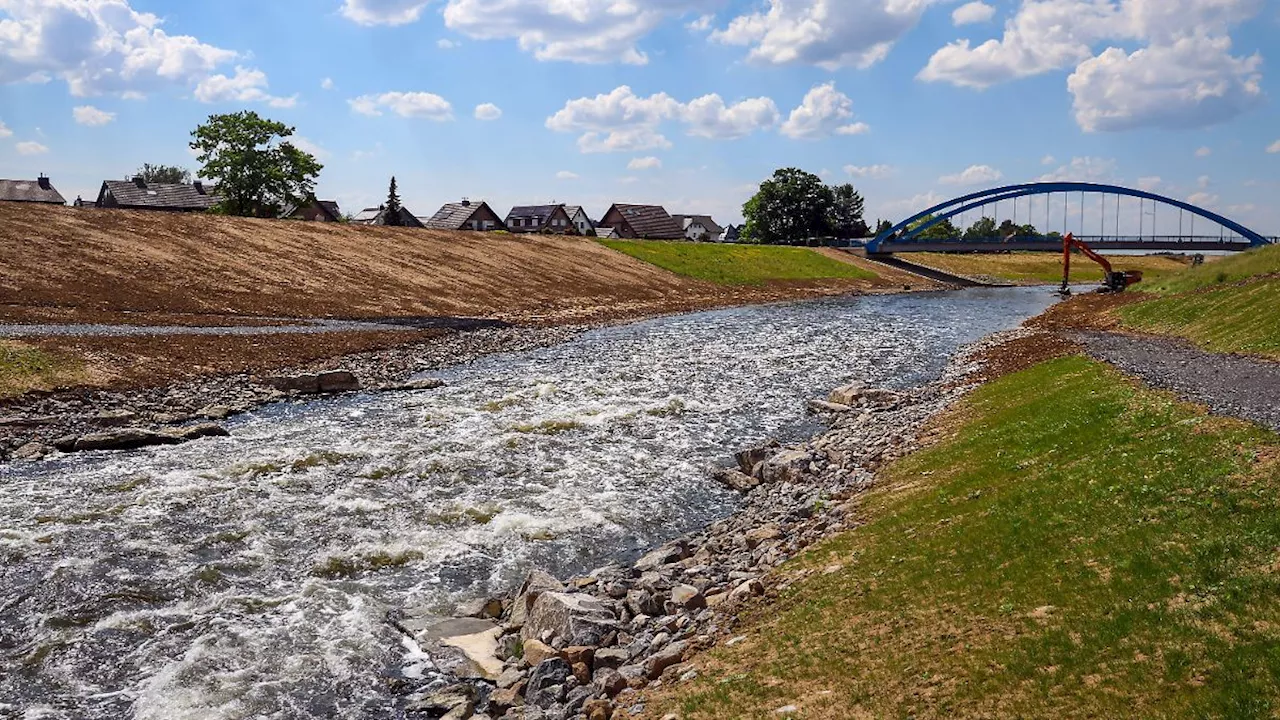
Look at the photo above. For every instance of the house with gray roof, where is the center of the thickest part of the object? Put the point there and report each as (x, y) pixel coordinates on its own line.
(30, 191)
(538, 218)
(645, 222)
(378, 216)
(314, 210)
(700, 227)
(579, 218)
(138, 194)
(465, 215)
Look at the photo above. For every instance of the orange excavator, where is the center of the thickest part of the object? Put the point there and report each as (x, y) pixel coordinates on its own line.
(1112, 280)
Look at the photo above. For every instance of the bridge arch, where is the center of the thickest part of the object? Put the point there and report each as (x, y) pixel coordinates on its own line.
(903, 233)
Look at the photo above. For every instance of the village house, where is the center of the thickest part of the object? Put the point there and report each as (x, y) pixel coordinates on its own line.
(378, 216)
(607, 233)
(579, 218)
(731, 234)
(646, 222)
(465, 215)
(314, 210)
(30, 191)
(538, 218)
(700, 228)
(138, 194)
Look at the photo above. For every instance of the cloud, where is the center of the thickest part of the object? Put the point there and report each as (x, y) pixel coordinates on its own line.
(583, 31)
(307, 146)
(1203, 199)
(702, 24)
(326, 84)
(446, 44)
(488, 111)
(971, 13)
(31, 148)
(1149, 184)
(1204, 152)
(383, 12)
(566, 175)
(421, 105)
(828, 33)
(1047, 160)
(709, 117)
(823, 111)
(1203, 182)
(1243, 208)
(245, 86)
(973, 175)
(644, 163)
(6, 132)
(624, 140)
(1084, 169)
(869, 171)
(99, 46)
(1273, 148)
(1192, 83)
(907, 207)
(90, 115)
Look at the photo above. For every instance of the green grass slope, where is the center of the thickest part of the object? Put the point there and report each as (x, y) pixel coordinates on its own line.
(1075, 548)
(1230, 269)
(739, 264)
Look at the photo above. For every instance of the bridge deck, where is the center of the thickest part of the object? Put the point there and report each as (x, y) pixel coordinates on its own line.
(1050, 245)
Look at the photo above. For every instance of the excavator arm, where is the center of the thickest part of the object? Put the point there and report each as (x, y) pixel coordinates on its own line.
(1112, 281)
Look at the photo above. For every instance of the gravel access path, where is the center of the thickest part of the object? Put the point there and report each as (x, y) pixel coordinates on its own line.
(1227, 384)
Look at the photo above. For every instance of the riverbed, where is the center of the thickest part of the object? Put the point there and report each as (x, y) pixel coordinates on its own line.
(250, 576)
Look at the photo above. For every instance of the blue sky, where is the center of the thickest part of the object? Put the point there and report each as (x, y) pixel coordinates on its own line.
(687, 103)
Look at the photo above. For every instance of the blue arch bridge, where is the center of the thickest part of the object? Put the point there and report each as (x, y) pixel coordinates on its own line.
(1105, 225)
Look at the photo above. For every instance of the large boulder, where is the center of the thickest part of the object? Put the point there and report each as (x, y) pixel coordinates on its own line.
(124, 439)
(735, 480)
(848, 394)
(535, 583)
(665, 555)
(687, 597)
(786, 466)
(454, 702)
(197, 431)
(663, 659)
(748, 460)
(546, 682)
(306, 383)
(337, 381)
(564, 619)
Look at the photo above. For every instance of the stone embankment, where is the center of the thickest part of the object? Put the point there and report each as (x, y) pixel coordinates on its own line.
(39, 424)
(588, 647)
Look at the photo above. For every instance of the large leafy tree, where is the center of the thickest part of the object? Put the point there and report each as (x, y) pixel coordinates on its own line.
(983, 229)
(846, 212)
(164, 174)
(257, 170)
(944, 230)
(883, 226)
(391, 214)
(790, 207)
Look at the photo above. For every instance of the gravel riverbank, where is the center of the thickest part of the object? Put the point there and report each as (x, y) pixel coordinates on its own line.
(588, 646)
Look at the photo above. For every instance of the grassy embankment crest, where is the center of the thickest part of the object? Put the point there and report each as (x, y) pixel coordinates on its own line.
(1072, 547)
(739, 264)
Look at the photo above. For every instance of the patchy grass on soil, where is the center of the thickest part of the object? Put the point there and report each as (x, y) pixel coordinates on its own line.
(1236, 318)
(1039, 267)
(1224, 271)
(739, 264)
(23, 368)
(1073, 547)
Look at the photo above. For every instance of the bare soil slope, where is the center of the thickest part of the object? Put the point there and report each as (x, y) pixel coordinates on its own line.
(82, 264)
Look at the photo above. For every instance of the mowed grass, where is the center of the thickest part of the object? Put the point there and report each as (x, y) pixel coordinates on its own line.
(1242, 318)
(23, 368)
(1227, 270)
(1039, 267)
(739, 264)
(1074, 547)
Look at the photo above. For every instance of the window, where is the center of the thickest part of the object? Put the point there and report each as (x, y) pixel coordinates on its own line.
(515, 222)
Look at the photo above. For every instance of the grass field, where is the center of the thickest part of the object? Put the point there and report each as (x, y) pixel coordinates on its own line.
(1073, 547)
(1236, 318)
(739, 264)
(1230, 269)
(1044, 267)
(25, 368)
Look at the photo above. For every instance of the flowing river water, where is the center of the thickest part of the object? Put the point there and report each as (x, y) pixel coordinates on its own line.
(250, 576)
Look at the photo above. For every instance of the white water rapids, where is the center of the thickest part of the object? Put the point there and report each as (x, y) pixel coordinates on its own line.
(249, 577)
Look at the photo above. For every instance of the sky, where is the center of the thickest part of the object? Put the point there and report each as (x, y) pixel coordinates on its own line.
(684, 103)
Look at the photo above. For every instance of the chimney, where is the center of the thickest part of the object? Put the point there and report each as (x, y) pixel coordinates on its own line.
(466, 202)
(199, 186)
(43, 182)
(137, 180)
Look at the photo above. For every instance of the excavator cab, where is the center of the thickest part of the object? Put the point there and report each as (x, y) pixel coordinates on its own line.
(1119, 281)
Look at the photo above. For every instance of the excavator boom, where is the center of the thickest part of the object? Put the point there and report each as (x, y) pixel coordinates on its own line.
(1112, 281)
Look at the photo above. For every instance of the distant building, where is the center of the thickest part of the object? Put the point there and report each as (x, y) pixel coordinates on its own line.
(579, 218)
(314, 210)
(607, 233)
(538, 218)
(378, 216)
(30, 191)
(138, 194)
(731, 234)
(648, 222)
(465, 215)
(700, 227)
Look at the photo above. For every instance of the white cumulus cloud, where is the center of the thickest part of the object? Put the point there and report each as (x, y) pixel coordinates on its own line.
(566, 175)
(1204, 152)
(1084, 169)
(709, 117)
(31, 147)
(823, 111)
(91, 116)
(1048, 160)
(326, 84)
(1273, 148)
(1150, 183)
(972, 175)
(868, 171)
(488, 111)
(245, 86)
(422, 105)
(308, 146)
(971, 13)
(383, 12)
(6, 132)
(644, 163)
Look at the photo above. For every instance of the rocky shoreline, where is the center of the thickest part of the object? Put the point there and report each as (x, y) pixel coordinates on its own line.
(588, 647)
(37, 424)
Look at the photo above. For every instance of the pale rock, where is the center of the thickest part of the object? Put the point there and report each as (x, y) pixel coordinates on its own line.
(688, 597)
(568, 619)
(756, 536)
(847, 394)
(663, 659)
(535, 651)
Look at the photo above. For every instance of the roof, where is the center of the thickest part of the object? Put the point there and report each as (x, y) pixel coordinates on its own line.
(704, 220)
(30, 191)
(651, 221)
(574, 210)
(452, 216)
(165, 196)
(604, 231)
(329, 206)
(529, 211)
(373, 216)
(367, 215)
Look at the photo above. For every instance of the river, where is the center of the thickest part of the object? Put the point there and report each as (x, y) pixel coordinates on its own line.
(249, 576)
